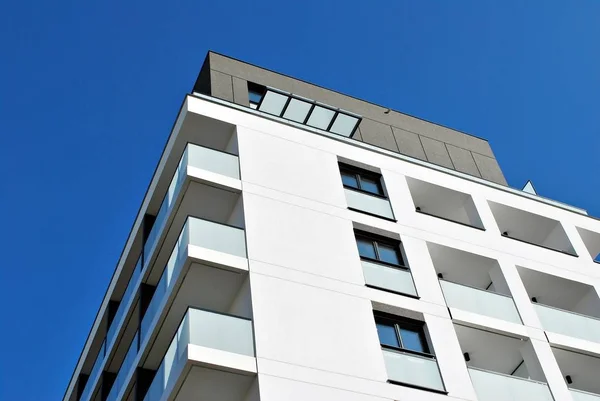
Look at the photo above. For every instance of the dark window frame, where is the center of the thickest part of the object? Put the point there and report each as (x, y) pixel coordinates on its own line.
(414, 325)
(257, 88)
(378, 239)
(358, 173)
(260, 90)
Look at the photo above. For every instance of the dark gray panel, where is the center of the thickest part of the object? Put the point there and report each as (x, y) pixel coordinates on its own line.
(441, 133)
(378, 134)
(221, 86)
(366, 109)
(240, 91)
(463, 160)
(409, 143)
(489, 169)
(357, 135)
(436, 152)
(375, 128)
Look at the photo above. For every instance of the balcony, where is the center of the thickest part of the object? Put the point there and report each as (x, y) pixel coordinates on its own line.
(579, 395)
(564, 306)
(197, 161)
(125, 369)
(473, 283)
(491, 386)
(369, 203)
(203, 177)
(207, 268)
(591, 240)
(502, 368)
(569, 323)
(391, 278)
(413, 369)
(205, 340)
(203, 240)
(581, 374)
(480, 301)
(444, 203)
(531, 228)
(120, 320)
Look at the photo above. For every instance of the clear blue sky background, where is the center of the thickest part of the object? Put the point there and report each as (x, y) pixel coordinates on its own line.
(89, 91)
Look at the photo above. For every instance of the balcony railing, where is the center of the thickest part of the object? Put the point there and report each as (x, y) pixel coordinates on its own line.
(94, 373)
(194, 156)
(129, 291)
(413, 369)
(207, 329)
(579, 395)
(388, 278)
(202, 233)
(480, 301)
(370, 204)
(492, 386)
(569, 323)
(125, 368)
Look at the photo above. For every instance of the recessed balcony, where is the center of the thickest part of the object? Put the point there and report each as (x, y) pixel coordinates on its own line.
(473, 283)
(502, 368)
(531, 228)
(444, 203)
(564, 306)
(581, 374)
(591, 240)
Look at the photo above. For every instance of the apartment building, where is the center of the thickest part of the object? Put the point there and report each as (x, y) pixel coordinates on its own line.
(299, 244)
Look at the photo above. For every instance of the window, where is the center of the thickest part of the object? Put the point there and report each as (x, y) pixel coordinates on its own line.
(402, 334)
(301, 110)
(255, 94)
(381, 249)
(361, 180)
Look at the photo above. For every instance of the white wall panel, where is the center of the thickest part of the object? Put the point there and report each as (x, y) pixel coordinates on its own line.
(316, 328)
(298, 238)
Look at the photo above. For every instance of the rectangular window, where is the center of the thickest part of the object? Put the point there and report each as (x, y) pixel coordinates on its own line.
(381, 249)
(302, 110)
(255, 94)
(402, 334)
(361, 180)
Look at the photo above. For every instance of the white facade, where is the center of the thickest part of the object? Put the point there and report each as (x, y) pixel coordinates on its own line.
(273, 248)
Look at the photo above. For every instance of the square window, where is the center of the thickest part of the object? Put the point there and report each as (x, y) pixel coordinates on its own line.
(401, 333)
(412, 339)
(320, 117)
(254, 97)
(362, 180)
(344, 124)
(387, 335)
(349, 179)
(255, 93)
(389, 254)
(297, 110)
(273, 103)
(371, 184)
(366, 249)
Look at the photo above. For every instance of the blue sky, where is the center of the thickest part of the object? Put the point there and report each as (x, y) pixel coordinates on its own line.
(89, 91)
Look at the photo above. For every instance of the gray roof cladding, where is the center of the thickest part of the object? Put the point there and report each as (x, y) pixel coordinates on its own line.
(227, 78)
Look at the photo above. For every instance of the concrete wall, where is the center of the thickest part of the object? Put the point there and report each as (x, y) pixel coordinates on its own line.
(313, 319)
(313, 316)
(227, 78)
